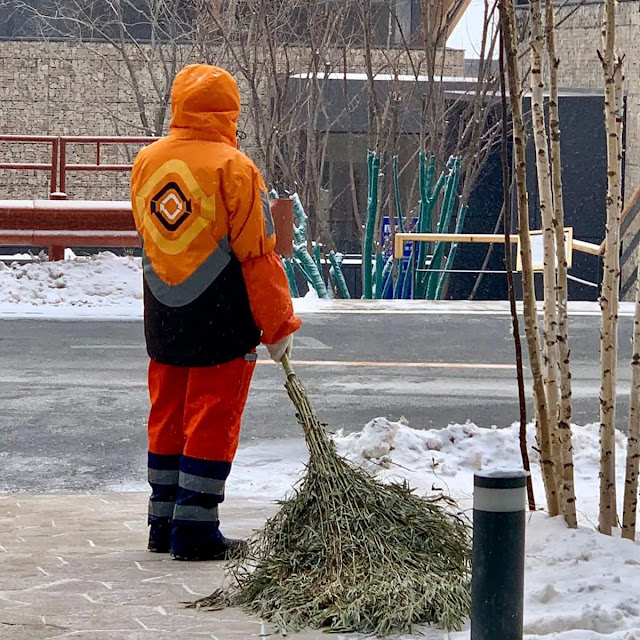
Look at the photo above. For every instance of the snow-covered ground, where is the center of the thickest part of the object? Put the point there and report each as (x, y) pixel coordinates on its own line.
(579, 585)
(105, 286)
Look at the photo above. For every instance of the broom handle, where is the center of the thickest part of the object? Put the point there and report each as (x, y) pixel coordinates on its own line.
(318, 441)
(286, 365)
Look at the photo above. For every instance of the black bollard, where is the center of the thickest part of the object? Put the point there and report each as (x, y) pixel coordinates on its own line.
(497, 580)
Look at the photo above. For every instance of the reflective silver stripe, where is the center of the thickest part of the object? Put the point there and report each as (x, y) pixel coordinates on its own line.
(196, 514)
(224, 246)
(195, 285)
(161, 509)
(162, 476)
(266, 212)
(499, 500)
(201, 485)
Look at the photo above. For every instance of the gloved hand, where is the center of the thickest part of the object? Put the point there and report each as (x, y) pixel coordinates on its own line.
(278, 349)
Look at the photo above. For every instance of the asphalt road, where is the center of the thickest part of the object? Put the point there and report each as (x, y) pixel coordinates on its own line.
(73, 399)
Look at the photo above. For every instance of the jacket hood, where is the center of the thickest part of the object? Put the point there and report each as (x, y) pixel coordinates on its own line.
(205, 103)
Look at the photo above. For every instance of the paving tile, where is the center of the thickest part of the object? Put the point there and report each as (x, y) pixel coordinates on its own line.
(75, 566)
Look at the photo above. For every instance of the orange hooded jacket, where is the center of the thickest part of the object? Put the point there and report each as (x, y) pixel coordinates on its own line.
(213, 285)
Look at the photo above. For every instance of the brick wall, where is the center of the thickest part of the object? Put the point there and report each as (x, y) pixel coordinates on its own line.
(59, 89)
(579, 39)
(55, 88)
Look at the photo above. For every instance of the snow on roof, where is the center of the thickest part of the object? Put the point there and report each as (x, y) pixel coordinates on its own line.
(387, 77)
(455, 80)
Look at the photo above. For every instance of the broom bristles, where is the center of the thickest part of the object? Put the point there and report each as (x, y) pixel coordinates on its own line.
(348, 554)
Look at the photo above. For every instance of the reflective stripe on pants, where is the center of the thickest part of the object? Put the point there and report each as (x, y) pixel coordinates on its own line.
(162, 472)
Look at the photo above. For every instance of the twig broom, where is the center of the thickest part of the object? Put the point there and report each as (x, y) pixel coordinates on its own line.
(348, 554)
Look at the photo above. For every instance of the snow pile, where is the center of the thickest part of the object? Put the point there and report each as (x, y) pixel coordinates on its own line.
(580, 585)
(102, 285)
(445, 459)
(106, 286)
(104, 282)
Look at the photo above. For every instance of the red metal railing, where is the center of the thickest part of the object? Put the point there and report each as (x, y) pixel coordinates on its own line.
(65, 141)
(59, 223)
(71, 215)
(52, 167)
(59, 166)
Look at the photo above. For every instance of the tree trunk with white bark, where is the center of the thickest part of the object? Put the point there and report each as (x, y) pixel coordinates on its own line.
(609, 295)
(633, 441)
(507, 15)
(564, 417)
(551, 456)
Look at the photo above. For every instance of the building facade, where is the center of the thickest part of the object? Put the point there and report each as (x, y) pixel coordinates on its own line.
(54, 81)
(578, 39)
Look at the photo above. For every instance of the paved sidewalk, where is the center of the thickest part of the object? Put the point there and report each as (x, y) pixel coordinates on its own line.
(75, 566)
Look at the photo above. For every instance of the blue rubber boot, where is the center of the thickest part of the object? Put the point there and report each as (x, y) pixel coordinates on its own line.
(195, 534)
(160, 535)
(201, 542)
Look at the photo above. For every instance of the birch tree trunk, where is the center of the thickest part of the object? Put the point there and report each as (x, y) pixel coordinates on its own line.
(507, 16)
(564, 418)
(633, 442)
(550, 326)
(609, 295)
(515, 322)
(619, 79)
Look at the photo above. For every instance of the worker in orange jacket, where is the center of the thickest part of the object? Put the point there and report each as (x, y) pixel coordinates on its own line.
(213, 290)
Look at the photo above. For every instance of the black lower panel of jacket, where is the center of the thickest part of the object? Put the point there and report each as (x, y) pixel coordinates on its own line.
(216, 327)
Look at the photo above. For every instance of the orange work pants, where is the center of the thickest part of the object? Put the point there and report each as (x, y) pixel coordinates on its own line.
(197, 412)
